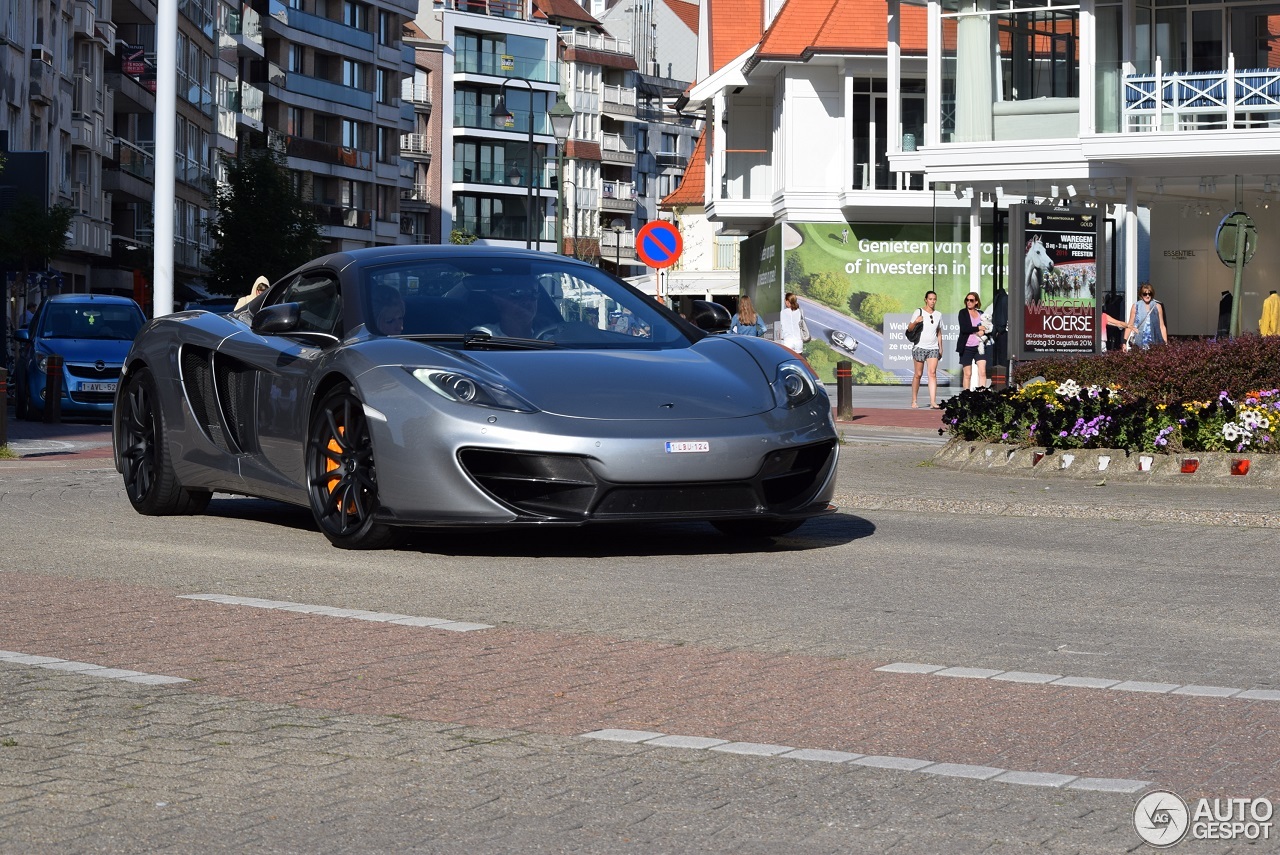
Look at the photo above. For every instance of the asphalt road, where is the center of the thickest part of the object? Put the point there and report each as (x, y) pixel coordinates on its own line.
(304, 732)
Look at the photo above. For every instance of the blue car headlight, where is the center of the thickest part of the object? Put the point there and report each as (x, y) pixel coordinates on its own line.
(794, 384)
(42, 362)
(466, 389)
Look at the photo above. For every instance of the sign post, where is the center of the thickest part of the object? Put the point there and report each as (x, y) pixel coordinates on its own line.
(1236, 240)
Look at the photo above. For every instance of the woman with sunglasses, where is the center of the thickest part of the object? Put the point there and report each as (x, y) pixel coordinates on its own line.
(971, 327)
(1147, 318)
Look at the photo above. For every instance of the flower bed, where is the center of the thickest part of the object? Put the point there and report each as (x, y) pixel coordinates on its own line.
(1067, 415)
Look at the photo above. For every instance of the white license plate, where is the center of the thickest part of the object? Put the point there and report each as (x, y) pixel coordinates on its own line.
(688, 447)
(97, 387)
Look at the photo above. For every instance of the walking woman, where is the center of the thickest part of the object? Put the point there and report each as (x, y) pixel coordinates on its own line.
(794, 331)
(970, 319)
(1147, 317)
(746, 321)
(927, 350)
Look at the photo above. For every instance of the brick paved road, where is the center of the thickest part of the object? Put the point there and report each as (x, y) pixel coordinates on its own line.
(310, 732)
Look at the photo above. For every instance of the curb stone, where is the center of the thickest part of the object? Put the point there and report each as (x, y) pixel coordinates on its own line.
(1217, 467)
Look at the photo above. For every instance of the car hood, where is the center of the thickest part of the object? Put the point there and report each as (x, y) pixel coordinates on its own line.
(86, 350)
(714, 378)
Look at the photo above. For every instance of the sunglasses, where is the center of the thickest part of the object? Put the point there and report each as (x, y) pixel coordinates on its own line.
(970, 300)
(1145, 294)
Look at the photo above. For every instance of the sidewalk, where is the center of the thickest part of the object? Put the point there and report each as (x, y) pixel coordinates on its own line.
(873, 406)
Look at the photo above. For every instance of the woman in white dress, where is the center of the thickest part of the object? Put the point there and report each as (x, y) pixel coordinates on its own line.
(791, 324)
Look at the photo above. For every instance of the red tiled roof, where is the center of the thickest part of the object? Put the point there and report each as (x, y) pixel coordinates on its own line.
(686, 12)
(563, 10)
(690, 191)
(807, 27)
(733, 27)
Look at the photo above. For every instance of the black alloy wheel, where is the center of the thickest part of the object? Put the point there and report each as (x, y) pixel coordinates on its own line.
(149, 479)
(342, 481)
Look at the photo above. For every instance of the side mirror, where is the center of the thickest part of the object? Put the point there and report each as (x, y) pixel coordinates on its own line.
(22, 334)
(711, 317)
(277, 320)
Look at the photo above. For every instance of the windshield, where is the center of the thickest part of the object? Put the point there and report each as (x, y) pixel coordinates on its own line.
(91, 320)
(516, 298)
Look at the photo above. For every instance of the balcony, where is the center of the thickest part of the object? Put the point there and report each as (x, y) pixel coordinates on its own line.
(321, 152)
(44, 80)
(596, 41)
(618, 196)
(618, 246)
(671, 160)
(419, 193)
(1202, 100)
(534, 68)
(338, 216)
(415, 147)
(417, 94)
(492, 8)
(619, 102)
(316, 25)
(615, 148)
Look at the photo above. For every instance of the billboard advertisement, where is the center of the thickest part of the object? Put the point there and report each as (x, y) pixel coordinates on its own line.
(1054, 305)
(859, 284)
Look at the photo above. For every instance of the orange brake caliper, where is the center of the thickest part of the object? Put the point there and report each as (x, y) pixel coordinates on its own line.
(330, 465)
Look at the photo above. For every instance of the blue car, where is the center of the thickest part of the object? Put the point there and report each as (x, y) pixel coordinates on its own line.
(92, 333)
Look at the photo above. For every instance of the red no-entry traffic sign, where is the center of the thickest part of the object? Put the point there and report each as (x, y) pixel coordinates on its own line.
(658, 244)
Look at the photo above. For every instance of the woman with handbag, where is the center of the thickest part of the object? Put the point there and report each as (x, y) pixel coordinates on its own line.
(1147, 318)
(927, 348)
(793, 331)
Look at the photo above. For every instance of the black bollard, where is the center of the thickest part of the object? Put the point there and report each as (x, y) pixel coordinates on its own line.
(53, 389)
(844, 390)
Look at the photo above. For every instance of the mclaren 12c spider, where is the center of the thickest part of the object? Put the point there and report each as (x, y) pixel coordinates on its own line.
(463, 386)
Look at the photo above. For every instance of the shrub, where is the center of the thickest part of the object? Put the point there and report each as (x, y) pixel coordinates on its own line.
(1178, 371)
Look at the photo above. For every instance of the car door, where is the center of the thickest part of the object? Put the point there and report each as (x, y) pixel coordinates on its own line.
(284, 373)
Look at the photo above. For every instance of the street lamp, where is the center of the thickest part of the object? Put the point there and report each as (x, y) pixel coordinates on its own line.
(561, 125)
(500, 111)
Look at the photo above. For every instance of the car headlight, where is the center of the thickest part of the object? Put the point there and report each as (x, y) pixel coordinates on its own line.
(795, 384)
(466, 389)
(42, 362)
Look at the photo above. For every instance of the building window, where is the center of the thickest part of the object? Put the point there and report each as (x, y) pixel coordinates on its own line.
(388, 29)
(356, 15)
(354, 74)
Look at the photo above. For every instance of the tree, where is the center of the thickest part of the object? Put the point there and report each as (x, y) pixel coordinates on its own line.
(875, 306)
(831, 288)
(31, 234)
(260, 224)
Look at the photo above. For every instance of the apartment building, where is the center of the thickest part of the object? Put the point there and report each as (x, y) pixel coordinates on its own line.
(318, 80)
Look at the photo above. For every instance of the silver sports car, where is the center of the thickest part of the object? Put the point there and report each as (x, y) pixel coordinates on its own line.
(470, 386)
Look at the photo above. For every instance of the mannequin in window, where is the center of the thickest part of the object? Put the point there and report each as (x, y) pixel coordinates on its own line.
(1224, 314)
(1270, 320)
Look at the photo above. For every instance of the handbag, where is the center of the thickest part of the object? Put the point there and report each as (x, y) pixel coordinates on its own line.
(804, 330)
(911, 333)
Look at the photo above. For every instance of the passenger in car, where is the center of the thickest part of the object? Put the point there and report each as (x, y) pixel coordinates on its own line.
(388, 311)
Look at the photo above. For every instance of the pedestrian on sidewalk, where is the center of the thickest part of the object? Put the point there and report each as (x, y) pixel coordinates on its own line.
(1147, 317)
(928, 349)
(745, 321)
(971, 328)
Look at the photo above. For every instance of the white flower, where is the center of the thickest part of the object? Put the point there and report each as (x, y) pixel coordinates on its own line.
(1253, 420)
(1231, 431)
(1068, 389)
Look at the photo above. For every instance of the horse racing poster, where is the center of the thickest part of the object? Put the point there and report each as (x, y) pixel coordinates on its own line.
(1053, 306)
(859, 284)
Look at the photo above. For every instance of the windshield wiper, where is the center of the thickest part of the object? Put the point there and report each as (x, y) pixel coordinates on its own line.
(485, 341)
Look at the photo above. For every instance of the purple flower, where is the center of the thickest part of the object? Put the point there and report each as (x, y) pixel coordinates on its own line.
(1004, 435)
(1062, 433)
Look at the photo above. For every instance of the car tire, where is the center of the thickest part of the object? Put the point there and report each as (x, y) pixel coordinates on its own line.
(757, 529)
(342, 481)
(149, 480)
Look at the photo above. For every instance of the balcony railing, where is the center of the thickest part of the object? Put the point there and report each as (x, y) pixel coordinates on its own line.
(596, 41)
(506, 65)
(419, 192)
(616, 148)
(1202, 100)
(135, 160)
(415, 145)
(418, 94)
(336, 215)
(493, 8)
(321, 152)
(620, 96)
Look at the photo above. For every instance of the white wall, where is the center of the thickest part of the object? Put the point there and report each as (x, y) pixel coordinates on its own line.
(1188, 277)
(814, 128)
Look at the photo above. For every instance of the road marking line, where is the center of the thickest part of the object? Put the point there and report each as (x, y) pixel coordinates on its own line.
(88, 669)
(1081, 682)
(330, 611)
(900, 764)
